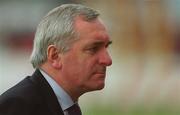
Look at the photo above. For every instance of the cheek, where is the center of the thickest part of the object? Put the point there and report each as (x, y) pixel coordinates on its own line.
(80, 67)
(87, 72)
(74, 66)
(82, 71)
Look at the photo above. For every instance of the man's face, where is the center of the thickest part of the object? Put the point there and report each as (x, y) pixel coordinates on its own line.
(84, 65)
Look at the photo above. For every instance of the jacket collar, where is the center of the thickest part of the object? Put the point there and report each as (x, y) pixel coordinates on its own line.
(47, 93)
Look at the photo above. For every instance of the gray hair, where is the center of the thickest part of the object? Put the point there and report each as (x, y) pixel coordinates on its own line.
(57, 28)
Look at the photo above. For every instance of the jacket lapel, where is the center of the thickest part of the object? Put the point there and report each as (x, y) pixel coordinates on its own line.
(47, 93)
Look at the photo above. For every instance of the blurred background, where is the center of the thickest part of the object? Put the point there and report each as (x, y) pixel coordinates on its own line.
(145, 76)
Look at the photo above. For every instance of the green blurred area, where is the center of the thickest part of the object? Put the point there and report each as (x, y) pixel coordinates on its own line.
(139, 110)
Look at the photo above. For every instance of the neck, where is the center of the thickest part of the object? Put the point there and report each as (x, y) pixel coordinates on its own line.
(73, 92)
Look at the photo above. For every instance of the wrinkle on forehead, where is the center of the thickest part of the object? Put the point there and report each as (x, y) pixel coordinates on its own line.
(94, 29)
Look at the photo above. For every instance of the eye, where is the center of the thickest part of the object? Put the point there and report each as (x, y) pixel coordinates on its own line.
(93, 50)
(109, 43)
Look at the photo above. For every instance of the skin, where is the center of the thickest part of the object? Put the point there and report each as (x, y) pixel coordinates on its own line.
(83, 67)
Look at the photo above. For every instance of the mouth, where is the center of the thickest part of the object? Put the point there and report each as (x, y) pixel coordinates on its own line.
(100, 73)
(101, 70)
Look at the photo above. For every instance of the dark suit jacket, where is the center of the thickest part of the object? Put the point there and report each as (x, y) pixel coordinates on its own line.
(32, 96)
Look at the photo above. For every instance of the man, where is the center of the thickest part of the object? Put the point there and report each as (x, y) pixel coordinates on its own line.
(70, 56)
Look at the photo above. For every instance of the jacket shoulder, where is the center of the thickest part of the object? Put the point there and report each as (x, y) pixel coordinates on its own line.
(22, 99)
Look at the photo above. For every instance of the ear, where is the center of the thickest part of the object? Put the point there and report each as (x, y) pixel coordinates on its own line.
(53, 57)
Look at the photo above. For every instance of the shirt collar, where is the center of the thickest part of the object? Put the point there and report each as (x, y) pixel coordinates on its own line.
(63, 98)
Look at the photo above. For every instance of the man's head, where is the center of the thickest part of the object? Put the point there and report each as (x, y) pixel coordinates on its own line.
(71, 46)
(57, 28)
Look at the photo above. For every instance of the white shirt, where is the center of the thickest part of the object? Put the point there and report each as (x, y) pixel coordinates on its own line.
(64, 99)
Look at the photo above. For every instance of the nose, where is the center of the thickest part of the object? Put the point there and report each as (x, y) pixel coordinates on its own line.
(105, 59)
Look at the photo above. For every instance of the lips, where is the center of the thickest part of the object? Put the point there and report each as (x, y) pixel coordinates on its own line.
(101, 70)
(100, 74)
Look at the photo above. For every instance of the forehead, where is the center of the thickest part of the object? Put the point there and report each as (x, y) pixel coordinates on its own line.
(91, 30)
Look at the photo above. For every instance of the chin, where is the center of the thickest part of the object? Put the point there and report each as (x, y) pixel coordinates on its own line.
(98, 87)
(93, 87)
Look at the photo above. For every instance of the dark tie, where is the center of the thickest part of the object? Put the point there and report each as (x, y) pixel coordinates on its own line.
(74, 110)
